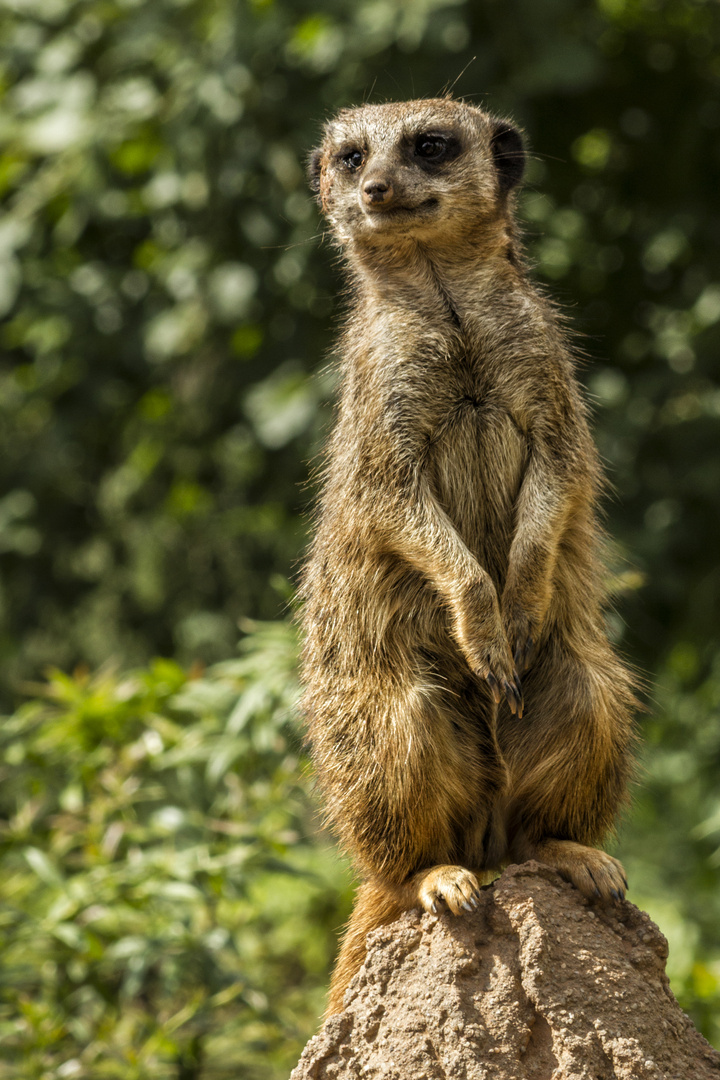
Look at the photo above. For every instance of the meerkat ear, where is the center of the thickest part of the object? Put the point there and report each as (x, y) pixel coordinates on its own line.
(509, 154)
(314, 166)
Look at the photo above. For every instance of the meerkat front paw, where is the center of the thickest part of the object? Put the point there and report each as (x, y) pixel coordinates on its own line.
(523, 642)
(492, 661)
(458, 887)
(522, 631)
(508, 688)
(479, 632)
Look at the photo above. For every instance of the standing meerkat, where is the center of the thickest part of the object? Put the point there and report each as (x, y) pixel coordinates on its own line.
(465, 707)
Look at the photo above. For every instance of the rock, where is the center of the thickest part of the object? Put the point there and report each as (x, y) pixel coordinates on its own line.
(537, 985)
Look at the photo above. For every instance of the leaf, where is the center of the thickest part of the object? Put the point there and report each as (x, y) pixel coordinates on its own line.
(43, 867)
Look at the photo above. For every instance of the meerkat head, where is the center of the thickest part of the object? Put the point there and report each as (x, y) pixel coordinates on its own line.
(435, 170)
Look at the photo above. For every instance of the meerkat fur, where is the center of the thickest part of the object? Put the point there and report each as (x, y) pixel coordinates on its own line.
(464, 705)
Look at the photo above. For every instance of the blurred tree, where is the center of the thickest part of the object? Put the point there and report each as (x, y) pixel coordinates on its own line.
(155, 406)
(165, 298)
(158, 880)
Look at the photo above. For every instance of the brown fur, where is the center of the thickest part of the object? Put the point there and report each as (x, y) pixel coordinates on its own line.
(457, 547)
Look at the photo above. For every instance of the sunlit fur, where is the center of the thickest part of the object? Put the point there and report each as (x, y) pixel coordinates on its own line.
(456, 541)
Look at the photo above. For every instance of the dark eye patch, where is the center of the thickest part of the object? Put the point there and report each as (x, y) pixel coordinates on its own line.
(434, 147)
(352, 159)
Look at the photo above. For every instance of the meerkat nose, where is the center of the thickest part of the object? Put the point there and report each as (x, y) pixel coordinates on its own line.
(377, 190)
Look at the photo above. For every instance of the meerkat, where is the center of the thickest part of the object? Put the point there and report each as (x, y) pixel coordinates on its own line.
(465, 708)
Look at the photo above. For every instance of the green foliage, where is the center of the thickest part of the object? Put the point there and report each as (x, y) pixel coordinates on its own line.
(154, 252)
(671, 841)
(165, 904)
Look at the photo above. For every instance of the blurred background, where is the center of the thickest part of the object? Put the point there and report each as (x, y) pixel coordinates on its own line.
(169, 302)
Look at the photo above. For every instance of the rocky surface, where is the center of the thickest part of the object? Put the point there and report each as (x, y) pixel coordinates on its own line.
(537, 985)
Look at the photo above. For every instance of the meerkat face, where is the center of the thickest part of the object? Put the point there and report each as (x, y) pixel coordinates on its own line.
(429, 170)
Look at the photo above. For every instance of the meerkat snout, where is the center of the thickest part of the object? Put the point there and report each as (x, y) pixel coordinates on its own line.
(377, 191)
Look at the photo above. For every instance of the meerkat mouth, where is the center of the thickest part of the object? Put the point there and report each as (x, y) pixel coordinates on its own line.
(377, 212)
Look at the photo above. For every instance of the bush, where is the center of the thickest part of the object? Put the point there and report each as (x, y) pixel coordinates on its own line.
(167, 908)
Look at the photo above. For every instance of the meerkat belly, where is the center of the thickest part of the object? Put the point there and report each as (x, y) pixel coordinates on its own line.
(371, 609)
(476, 469)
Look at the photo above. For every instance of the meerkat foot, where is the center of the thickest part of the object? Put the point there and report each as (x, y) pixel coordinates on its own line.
(458, 887)
(596, 874)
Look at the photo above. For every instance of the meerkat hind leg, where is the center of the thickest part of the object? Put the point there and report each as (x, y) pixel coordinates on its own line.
(378, 904)
(595, 873)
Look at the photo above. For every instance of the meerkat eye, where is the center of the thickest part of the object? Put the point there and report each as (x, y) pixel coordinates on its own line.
(431, 147)
(353, 159)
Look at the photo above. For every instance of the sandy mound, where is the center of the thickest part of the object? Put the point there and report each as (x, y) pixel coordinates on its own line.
(537, 985)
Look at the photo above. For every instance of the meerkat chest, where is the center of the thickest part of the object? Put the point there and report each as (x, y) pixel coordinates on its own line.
(476, 463)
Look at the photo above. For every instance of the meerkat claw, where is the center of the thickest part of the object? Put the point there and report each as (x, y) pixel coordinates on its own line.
(514, 697)
(494, 687)
(524, 654)
(510, 696)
